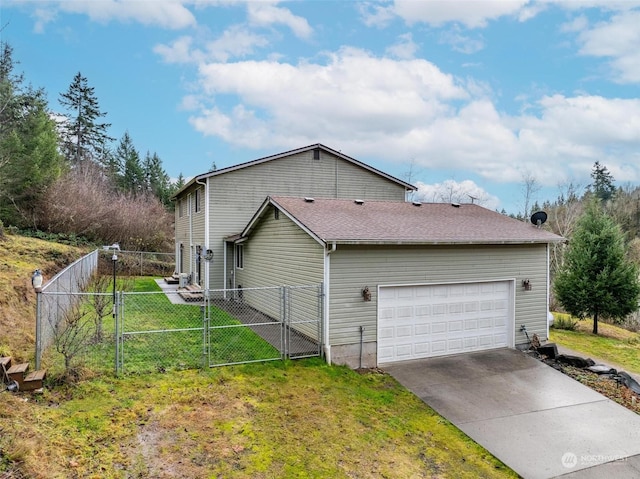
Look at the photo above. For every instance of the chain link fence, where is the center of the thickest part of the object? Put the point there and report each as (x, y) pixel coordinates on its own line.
(58, 297)
(159, 331)
(138, 263)
(135, 332)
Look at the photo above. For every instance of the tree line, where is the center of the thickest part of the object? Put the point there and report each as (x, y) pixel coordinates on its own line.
(47, 159)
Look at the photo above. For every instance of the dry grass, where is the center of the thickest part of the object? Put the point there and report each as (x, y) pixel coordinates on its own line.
(19, 256)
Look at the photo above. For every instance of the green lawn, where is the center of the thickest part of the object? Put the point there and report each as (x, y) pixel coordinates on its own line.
(612, 344)
(159, 335)
(302, 419)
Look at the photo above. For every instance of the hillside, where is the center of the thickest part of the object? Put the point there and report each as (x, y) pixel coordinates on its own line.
(19, 256)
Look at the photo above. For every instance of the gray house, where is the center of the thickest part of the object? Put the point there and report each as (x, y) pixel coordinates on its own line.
(403, 280)
(212, 208)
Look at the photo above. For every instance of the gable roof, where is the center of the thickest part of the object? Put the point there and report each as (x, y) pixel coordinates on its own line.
(396, 222)
(248, 164)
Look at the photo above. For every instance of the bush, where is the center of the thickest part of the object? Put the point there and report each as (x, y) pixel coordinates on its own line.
(84, 203)
(564, 321)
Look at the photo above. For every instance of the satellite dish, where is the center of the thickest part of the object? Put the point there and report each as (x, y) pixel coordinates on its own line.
(538, 218)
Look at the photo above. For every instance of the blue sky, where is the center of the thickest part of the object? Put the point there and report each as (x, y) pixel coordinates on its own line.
(470, 96)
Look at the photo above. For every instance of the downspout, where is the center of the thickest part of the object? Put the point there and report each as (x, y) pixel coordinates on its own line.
(190, 212)
(224, 267)
(548, 288)
(206, 230)
(325, 320)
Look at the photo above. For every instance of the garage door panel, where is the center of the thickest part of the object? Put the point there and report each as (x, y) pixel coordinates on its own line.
(432, 320)
(455, 346)
(422, 329)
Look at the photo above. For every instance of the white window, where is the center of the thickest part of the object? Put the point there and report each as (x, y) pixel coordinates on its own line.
(239, 256)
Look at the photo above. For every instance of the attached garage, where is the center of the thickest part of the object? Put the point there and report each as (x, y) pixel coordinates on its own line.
(404, 281)
(421, 321)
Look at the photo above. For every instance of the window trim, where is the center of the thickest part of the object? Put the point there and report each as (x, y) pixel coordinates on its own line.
(197, 199)
(239, 254)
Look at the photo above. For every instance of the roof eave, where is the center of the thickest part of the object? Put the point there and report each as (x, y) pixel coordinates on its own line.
(373, 242)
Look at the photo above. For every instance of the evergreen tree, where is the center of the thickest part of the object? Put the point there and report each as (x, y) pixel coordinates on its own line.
(596, 280)
(83, 137)
(132, 177)
(602, 186)
(156, 179)
(29, 158)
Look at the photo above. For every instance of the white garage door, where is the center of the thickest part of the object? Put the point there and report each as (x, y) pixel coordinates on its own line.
(435, 320)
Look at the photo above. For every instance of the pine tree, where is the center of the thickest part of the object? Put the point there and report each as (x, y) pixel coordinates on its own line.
(602, 185)
(156, 179)
(132, 177)
(83, 137)
(29, 158)
(596, 280)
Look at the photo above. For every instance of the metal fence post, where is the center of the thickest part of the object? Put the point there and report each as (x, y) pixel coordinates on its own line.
(118, 332)
(38, 329)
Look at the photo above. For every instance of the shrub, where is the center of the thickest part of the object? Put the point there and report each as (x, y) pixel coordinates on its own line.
(85, 203)
(564, 321)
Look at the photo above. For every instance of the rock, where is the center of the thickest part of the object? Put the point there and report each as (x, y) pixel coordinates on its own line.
(601, 369)
(550, 350)
(575, 361)
(629, 382)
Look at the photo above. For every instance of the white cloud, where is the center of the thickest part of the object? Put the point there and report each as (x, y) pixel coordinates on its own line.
(393, 110)
(451, 191)
(473, 14)
(179, 51)
(618, 39)
(281, 101)
(375, 14)
(265, 13)
(171, 14)
(461, 43)
(405, 48)
(235, 42)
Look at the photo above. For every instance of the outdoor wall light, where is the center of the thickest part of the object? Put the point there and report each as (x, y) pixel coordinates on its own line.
(36, 281)
(366, 294)
(526, 285)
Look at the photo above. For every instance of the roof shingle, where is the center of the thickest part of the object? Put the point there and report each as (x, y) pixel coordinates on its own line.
(372, 222)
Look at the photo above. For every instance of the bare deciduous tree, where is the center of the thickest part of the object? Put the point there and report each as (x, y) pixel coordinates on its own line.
(101, 302)
(73, 332)
(530, 187)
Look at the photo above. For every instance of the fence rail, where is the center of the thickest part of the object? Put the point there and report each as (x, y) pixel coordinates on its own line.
(58, 297)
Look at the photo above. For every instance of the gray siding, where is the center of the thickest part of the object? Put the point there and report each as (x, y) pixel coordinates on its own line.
(190, 226)
(354, 267)
(235, 196)
(280, 253)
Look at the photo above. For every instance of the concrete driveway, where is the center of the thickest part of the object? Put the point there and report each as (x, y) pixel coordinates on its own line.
(533, 418)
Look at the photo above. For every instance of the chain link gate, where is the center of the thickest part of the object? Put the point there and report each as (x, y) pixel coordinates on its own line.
(160, 330)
